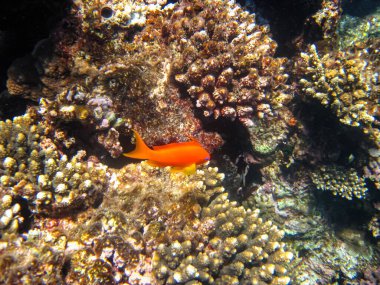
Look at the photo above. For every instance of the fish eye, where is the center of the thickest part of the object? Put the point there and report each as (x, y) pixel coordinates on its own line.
(207, 158)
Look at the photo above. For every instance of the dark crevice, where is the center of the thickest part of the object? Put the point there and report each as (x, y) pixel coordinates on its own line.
(287, 20)
(11, 106)
(86, 138)
(25, 212)
(25, 24)
(360, 8)
(66, 268)
(342, 213)
(331, 140)
(230, 158)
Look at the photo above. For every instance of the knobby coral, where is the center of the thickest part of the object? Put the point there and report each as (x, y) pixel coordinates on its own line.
(31, 167)
(339, 181)
(235, 246)
(347, 83)
(225, 60)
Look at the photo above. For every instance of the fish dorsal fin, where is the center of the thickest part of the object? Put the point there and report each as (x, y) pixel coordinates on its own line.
(156, 164)
(142, 151)
(170, 145)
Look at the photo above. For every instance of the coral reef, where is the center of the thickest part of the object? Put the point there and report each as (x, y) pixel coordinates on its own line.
(339, 181)
(266, 135)
(153, 197)
(30, 262)
(32, 168)
(228, 67)
(144, 206)
(354, 30)
(347, 83)
(87, 78)
(72, 211)
(309, 231)
(235, 247)
(374, 226)
(327, 18)
(372, 169)
(115, 242)
(359, 22)
(371, 277)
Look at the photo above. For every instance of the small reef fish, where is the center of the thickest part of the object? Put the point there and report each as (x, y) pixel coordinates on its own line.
(183, 157)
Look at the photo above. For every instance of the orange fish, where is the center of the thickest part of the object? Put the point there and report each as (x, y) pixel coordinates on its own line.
(182, 156)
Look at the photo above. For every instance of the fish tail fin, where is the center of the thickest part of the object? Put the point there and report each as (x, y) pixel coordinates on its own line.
(141, 151)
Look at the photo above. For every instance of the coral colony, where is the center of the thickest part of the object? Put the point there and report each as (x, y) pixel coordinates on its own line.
(290, 194)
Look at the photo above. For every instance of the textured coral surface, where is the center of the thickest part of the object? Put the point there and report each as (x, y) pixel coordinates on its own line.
(291, 194)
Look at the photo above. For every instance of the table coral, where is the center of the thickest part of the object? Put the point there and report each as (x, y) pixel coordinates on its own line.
(237, 247)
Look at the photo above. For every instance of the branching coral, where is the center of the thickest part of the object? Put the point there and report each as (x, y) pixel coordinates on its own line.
(327, 18)
(225, 60)
(32, 167)
(347, 83)
(145, 205)
(340, 181)
(10, 216)
(236, 247)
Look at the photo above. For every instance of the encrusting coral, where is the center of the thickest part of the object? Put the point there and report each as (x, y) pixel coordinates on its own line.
(31, 167)
(234, 246)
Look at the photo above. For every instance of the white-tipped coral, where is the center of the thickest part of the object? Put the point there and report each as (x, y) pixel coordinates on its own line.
(31, 167)
(340, 181)
(240, 248)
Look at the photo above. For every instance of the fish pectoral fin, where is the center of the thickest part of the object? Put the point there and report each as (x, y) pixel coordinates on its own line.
(188, 169)
(155, 163)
